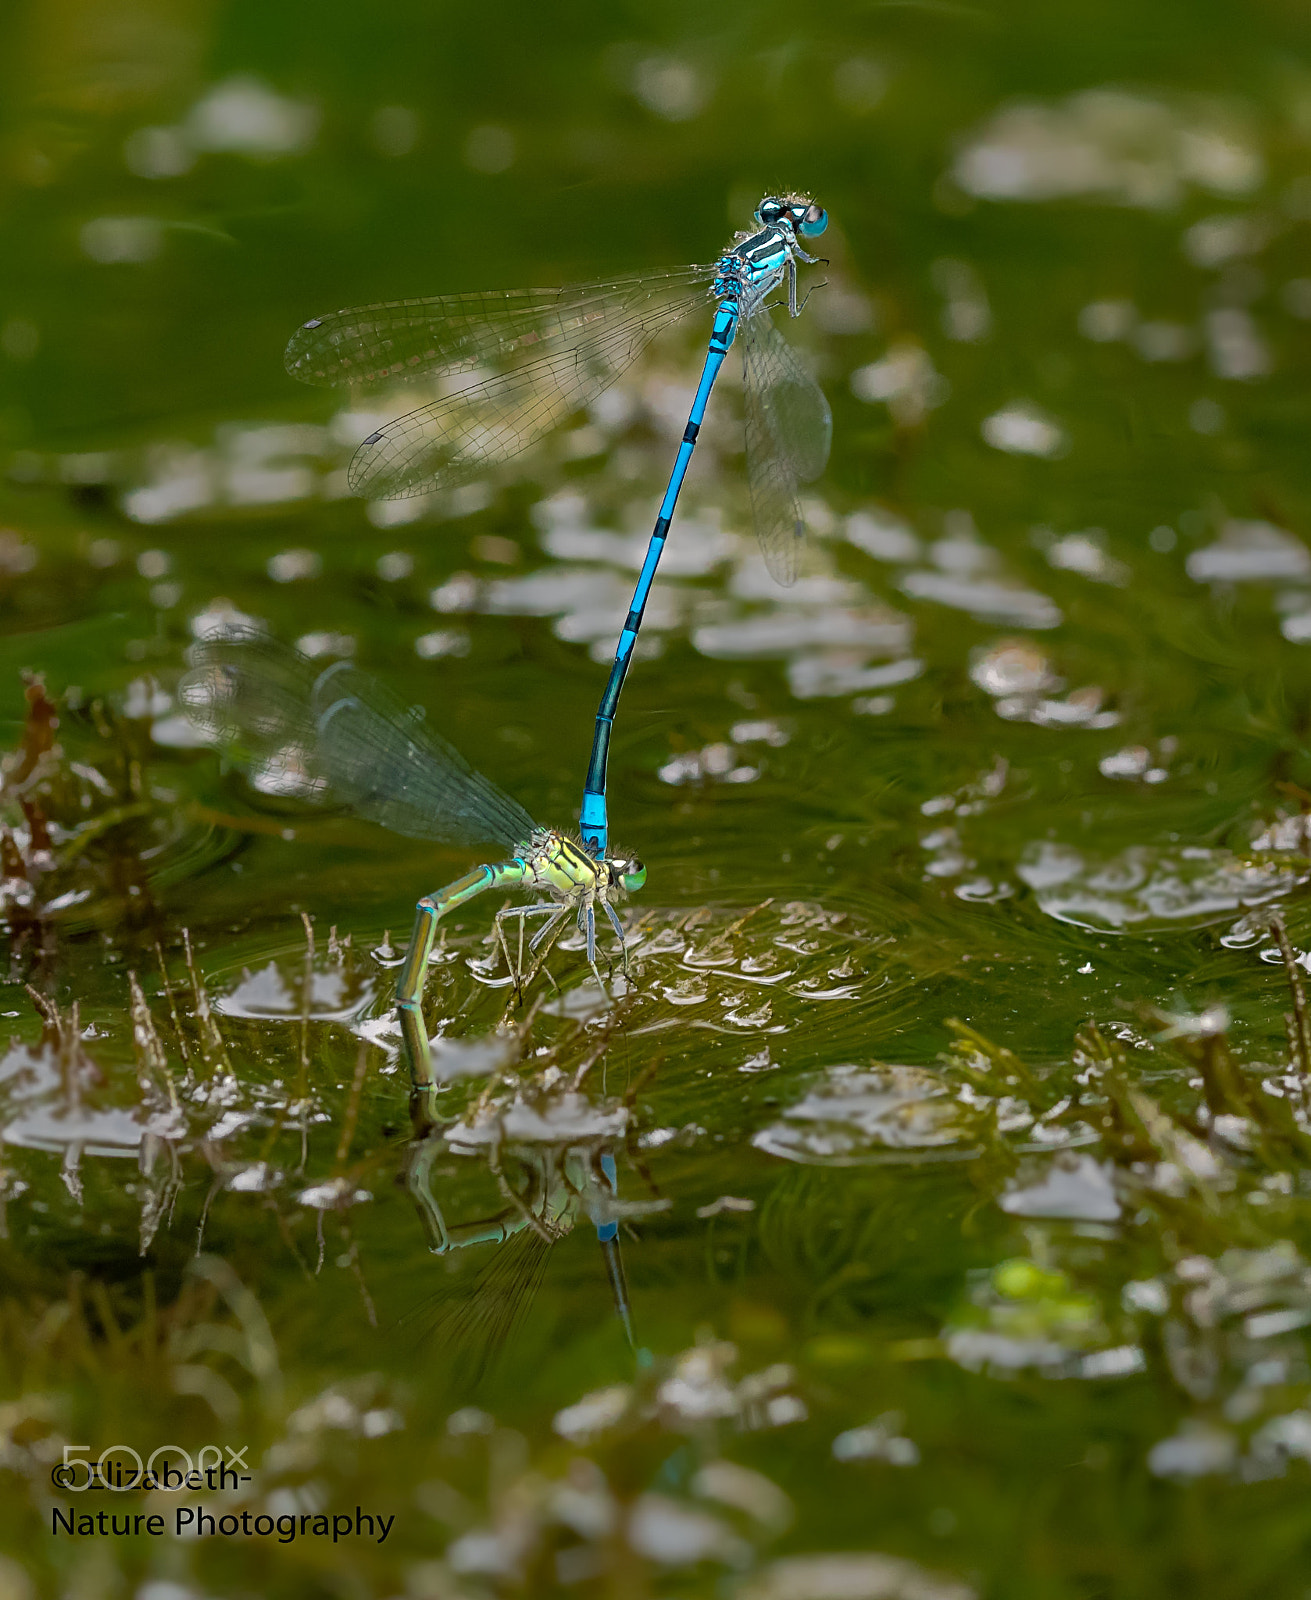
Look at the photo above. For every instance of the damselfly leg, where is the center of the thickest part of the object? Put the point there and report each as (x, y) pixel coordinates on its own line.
(514, 965)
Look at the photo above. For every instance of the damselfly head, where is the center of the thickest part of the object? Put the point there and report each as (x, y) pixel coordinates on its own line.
(795, 211)
(627, 871)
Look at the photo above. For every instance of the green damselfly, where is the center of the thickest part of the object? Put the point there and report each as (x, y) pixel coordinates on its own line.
(336, 735)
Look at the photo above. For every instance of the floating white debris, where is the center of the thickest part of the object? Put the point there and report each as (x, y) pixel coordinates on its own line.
(244, 116)
(222, 620)
(1143, 885)
(593, 1415)
(1022, 429)
(1085, 553)
(1081, 708)
(394, 566)
(863, 1114)
(1012, 666)
(182, 479)
(267, 994)
(989, 601)
(764, 731)
(1296, 626)
(1146, 1294)
(293, 566)
(744, 1490)
(880, 1440)
(460, 592)
(1286, 833)
(41, 1116)
(726, 1203)
(678, 1535)
(716, 763)
(980, 1349)
(704, 546)
(331, 1409)
(584, 1503)
(334, 1195)
(442, 642)
(1225, 237)
(570, 1119)
(269, 463)
(257, 1178)
(782, 631)
(495, 1554)
(751, 579)
(1235, 344)
(1198, 1450)
(144, 698)
(1073, 1187)
(882, 535)
(852, 1575)
(1138, 763)
(1250, 552)
(471, 1058)
(553, 591)
(325, 642)
(1119, 1361)
(828, 673)
(1283, 1437)
(176, 732)
(905, 380)
(699, 1390)
(1108, 145)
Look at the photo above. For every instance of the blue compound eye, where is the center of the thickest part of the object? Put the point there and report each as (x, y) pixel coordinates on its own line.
(812, 221)
(770, 212)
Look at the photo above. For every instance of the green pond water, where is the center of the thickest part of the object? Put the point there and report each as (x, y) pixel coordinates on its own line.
(961, 1134)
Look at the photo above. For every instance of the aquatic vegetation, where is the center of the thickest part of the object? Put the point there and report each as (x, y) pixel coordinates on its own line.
(756, 1275)
(88, 831)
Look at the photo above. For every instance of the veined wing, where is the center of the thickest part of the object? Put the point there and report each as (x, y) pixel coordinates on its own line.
(339, 735)
(455, 439)
(416, 339)
(381, 758)
(789, 429)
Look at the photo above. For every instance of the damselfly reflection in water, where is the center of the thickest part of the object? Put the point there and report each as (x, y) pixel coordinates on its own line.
(337, 735)
(546, 1188)
(551, 352)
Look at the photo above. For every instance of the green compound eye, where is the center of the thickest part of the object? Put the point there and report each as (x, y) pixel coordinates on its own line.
(632, 874)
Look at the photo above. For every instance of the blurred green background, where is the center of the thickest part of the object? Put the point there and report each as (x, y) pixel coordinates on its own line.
(1026, 747)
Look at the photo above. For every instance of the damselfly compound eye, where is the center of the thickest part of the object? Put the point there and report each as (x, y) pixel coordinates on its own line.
(770, 212)
(631, 873)
(813, 220)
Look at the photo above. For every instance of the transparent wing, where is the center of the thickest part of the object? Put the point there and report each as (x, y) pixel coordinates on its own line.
(453, 440)
(419, 338)
(789, 429)
(339, 735)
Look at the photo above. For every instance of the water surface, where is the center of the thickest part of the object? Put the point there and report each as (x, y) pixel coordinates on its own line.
(961, 1140)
